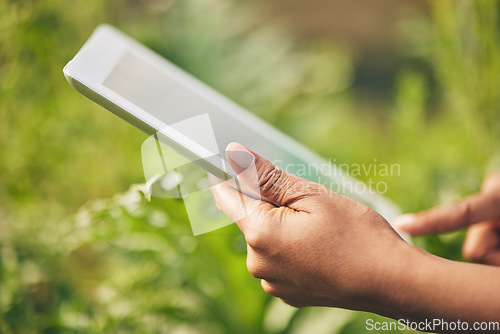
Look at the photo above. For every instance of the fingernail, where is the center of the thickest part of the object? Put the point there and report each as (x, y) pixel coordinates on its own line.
(240, 155)
(404, 220)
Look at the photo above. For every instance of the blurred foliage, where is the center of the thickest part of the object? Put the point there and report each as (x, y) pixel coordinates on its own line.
(126, 264)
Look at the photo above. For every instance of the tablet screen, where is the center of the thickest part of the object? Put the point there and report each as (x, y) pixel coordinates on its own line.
(159, 93)
(154, 91)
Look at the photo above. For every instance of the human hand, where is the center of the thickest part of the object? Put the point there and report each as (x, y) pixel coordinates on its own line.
(317, 247)
(480, 213)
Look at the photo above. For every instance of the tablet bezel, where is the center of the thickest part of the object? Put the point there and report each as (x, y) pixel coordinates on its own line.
(93, 63)
(90, 67)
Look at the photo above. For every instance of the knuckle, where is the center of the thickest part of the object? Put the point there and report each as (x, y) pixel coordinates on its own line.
(269, 177)
(464, 211)
(254, 239)
(258, 238)
(269, 288)
(256, 268)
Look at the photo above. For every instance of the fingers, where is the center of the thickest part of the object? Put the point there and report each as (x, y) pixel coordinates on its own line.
(273, 183)
(482, 243)
(450, 217)
(228, 199)
(259, 265)
(235, 205)
(252, 216)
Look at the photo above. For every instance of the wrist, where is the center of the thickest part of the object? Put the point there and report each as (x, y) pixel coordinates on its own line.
(400, 268)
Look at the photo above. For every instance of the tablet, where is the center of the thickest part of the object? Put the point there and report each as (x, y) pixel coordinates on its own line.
(151, 93)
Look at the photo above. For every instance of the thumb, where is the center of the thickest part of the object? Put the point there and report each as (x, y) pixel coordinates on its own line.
(270, 181)
(451, 217)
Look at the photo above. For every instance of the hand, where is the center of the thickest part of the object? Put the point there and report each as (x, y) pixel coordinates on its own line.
(480, 213)
(317, 247)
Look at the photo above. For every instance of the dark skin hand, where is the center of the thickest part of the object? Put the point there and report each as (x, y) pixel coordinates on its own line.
(319, 248)
(480, 214)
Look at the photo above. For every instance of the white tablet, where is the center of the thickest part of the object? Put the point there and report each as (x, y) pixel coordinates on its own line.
(151, 93)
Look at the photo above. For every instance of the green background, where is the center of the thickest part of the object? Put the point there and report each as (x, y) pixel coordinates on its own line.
(83, 251)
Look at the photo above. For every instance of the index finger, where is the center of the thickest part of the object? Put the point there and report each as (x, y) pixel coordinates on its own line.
(451, 217)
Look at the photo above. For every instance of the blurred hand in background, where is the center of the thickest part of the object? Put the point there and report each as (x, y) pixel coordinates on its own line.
(480, 214)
